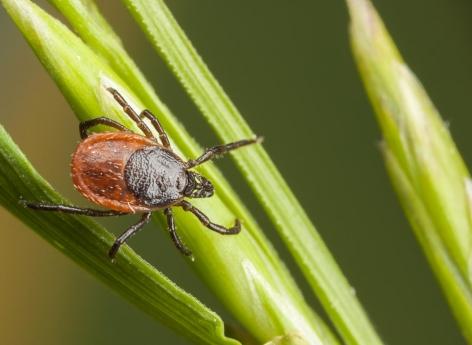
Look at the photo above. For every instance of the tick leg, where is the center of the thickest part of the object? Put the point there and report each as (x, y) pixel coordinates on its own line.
(218, 150)
(205, 221)
(131, 113)
(157, 125)
(127, 234)
(173, 234)
(86, 125)
(72, 210)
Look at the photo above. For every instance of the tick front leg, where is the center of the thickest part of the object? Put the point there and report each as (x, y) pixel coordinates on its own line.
(72, 209)
(236, 229)
(132, 230)
(215, 151)
(173, 234)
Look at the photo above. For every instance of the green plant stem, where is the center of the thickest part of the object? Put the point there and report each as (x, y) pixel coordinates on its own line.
(298, 233)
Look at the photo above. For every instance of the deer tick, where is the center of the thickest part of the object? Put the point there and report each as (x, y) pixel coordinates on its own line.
(127, 173)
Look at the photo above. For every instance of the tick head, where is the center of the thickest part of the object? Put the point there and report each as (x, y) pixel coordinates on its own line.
(198, 186)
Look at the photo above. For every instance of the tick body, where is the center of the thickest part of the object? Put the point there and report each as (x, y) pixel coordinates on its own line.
(128, 173)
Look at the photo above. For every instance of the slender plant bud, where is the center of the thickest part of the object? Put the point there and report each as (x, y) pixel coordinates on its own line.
(424, 164)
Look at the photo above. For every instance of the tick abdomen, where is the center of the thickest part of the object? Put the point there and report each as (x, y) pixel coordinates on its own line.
(98, 169)
(156, 176)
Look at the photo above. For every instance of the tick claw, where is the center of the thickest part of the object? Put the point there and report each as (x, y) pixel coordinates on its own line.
(113, 251)
(236, 229)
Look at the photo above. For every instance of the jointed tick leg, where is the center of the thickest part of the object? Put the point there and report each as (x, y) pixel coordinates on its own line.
(157, 125)
(85, 125)
(215, 151)
(236, 229)
(131, 113)
(173, 234)
(73, 210)
(128, 233)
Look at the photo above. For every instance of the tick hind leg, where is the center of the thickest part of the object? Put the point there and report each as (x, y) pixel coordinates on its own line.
(236, 229)
(86, 125)
(173, 233)
(132, 230)
(215, 151)
(157, 125)
(138, 119)
(72, 209)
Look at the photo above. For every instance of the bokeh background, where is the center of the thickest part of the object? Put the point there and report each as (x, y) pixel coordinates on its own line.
(289, 70)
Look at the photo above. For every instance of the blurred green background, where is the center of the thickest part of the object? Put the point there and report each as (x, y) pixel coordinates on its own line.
(289, 70)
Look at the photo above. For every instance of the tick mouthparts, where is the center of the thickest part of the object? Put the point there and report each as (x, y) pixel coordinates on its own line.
(198, 186)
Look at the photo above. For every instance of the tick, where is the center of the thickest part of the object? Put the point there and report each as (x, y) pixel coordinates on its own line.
(129, 173)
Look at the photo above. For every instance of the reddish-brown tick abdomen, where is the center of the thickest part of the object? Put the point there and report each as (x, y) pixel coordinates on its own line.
(98, 166)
